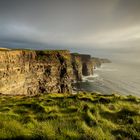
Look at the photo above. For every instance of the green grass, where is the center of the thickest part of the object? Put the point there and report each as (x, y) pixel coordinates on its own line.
(85, 116)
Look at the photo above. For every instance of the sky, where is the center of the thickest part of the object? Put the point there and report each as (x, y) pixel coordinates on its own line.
(106, 28)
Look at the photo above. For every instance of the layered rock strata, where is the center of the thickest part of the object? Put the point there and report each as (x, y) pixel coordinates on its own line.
(33, 72)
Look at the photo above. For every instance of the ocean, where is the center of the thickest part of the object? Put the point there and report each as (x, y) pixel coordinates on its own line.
(115, 77)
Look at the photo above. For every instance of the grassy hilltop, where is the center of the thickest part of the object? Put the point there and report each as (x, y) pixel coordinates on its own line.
(86, 116)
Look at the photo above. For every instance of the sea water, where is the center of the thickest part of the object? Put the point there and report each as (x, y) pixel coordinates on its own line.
(120, 78)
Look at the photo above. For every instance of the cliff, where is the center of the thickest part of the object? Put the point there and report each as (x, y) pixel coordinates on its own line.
(105, 60)
(77, 67)
(32, 72)
(82, 66)
(97, 62)
(87, 66)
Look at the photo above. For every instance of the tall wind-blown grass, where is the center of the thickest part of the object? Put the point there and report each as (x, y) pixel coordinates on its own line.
(85, 116)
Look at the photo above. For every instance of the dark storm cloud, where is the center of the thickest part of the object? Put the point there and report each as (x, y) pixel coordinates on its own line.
(94, 24)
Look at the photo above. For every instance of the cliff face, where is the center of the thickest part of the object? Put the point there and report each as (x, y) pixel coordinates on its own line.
(56, 71)
(87, 66)
(77, 67)
(82, 66)
(32, 72)
(15, 76)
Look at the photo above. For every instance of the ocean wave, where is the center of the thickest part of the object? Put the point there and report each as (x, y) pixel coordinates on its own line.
(112, 78)
(90, 78)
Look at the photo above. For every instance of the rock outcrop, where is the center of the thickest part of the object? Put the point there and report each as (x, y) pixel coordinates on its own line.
(33, 72)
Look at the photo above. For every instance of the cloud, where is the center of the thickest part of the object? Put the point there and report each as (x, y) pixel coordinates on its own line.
(114, 36)
(106, 26)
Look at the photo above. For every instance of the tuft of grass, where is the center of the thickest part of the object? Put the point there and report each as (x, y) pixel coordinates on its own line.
(12, 129)
(85, 116)
(44, 130)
